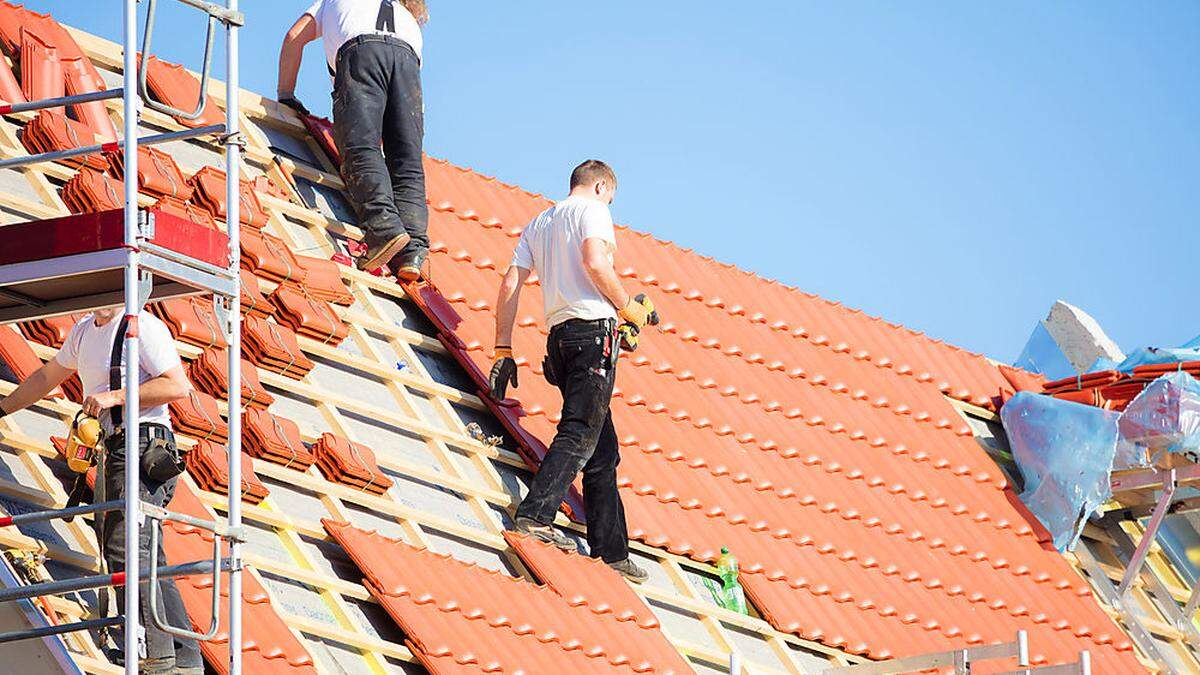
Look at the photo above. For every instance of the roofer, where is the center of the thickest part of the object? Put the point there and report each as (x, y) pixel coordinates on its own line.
(373, 51)
(91, 349)
(570, 245)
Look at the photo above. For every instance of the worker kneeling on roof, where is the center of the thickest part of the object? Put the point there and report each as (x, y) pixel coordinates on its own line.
(373, 50)
(95, 349)
(571, 245)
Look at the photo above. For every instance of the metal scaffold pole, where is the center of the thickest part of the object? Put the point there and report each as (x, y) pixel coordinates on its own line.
(132, 308)
(233, 198)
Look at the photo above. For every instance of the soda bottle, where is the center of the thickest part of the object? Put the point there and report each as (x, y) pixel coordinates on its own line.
(727, 569)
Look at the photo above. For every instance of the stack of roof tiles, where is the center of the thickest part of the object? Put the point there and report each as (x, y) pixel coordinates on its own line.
(461, 618)
(208, 464)
(1114, 389)
(93, 190)
(209, 183)
(51, 131)
(350, 463)
(274, 439)
(307, 314)
(198, 415)
(210, 375)
(274, 348)
(51, 331)
(191, 320)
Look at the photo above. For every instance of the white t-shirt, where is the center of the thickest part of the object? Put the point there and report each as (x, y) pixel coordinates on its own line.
(338, 21)
(552, 245)
(88, 348)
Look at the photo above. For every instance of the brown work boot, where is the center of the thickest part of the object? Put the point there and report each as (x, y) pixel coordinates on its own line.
(382, 254)
(411, 263)
(546, 533)
(630, 570)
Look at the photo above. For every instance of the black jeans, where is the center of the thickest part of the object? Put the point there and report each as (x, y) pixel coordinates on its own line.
(160, 646)
(377, 95)
(582, 355)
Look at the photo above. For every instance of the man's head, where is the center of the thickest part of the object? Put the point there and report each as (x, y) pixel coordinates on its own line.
(103, 316)
(595, 180)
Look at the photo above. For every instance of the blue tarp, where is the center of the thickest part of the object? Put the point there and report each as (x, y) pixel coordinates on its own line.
(1065, 453)
(1042, 355)
(1147, 356)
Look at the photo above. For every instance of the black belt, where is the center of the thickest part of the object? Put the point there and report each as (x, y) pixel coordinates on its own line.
(604, 324)
(369, 37)
(148, 431)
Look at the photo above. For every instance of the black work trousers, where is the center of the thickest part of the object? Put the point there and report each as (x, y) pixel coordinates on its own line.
(162, 649)
(377, 95)
(582, 358)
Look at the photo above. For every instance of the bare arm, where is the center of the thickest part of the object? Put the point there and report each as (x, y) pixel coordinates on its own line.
(301, 33)
(170, 386)
(507, 303)
(600, 270)
(36, 386)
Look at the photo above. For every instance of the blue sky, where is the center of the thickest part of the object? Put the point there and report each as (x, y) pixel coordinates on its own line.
(952, 166)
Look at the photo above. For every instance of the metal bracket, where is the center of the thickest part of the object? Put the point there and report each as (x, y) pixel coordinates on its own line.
(224, 315)
(236, 138)
(153, 592)
(1134, 569)
(146, 224)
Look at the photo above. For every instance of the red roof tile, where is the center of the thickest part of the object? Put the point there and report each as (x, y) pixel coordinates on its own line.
(490, 621)
(812, 439)
(582, 581)
(268, 645)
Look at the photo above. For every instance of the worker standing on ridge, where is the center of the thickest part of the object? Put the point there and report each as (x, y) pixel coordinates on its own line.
(570, 245)
(373, 50)
(92, 348)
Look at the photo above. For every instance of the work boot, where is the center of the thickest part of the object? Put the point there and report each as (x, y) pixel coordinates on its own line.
(381, 254)
(411, 262)
(546, 533)
(630, 570)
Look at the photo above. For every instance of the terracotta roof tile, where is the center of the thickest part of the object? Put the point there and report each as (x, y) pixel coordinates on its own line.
(502, 622)
(268, 645)
(814, 440)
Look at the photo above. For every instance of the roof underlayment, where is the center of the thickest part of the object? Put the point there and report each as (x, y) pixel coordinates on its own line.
(827, 448)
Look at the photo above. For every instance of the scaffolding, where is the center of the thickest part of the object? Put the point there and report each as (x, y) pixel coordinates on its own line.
(148, 267)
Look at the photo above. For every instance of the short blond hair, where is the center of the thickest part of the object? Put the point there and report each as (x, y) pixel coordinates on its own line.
(592, 171)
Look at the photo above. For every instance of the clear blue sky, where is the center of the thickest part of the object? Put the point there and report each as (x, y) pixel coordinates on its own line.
(952, 166)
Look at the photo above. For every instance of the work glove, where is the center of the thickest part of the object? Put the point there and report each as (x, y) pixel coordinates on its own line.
(639, 311)
(294, 103)
(504, 370)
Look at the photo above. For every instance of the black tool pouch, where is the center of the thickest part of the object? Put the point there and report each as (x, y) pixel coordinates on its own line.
(161, 460)
(548, 371)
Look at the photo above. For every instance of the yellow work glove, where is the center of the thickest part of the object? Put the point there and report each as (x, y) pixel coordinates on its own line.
(638, 311)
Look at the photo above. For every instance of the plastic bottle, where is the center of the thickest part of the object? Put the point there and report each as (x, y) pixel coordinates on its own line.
(727, 569)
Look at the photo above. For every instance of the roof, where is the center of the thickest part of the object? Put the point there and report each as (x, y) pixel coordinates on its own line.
(819, 443)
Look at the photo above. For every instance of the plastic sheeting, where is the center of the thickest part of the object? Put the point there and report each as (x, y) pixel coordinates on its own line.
(1042, 355)
(1165, 417)
(1065, 453)
(1148, 356)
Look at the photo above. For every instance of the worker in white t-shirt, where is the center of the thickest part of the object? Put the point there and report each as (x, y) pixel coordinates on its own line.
(373, 51)
(571, 245)
(88, 351)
